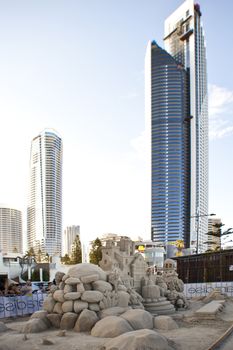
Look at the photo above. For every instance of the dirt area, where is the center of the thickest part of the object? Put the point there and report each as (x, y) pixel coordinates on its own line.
(192, 334)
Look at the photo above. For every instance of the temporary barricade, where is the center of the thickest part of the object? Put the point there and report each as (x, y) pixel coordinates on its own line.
(21, 305)
(192, 290)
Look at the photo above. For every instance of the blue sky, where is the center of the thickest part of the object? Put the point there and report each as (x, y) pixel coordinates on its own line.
(78, 67)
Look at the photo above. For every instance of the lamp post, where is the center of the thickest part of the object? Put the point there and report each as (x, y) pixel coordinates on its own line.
(198, 216)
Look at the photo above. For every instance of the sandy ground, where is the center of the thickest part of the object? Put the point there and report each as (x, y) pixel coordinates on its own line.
(192, 334)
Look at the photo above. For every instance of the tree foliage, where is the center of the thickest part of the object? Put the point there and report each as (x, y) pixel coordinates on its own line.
(30, 256)
(76, 255)
(96, 252)
(36, 275)
(66, 259)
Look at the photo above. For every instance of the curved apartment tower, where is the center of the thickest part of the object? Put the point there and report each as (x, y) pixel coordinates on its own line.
(184, 40)
(11, 238)
(44, 213)
(168, 126)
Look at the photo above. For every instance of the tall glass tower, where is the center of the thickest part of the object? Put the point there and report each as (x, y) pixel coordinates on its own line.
(176, 92)
(184, 40)
(168, 126)
(44, 213)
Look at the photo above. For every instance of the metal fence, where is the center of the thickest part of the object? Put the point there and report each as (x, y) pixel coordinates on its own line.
(206, 267)
(21, 305)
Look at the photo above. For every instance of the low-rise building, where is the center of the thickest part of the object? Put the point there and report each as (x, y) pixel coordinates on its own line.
(152, 252)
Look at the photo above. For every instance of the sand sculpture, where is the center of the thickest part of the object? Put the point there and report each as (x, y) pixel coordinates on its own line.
(122, 300)
(162, 293)
(87, 299)
(175, 286)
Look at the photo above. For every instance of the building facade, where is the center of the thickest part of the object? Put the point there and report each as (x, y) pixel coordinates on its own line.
(11, 237)
(179, 182)
(152, 253)
(214, 241)
(168, 128)
(70, 234)
(184, 40)
(44, 212)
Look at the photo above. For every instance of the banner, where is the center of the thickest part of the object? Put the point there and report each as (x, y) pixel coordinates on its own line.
(21, 305)
(202, 289)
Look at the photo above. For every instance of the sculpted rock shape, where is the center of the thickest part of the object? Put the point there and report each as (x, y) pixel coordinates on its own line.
(58, 308)
(72, 296)
(86, 321)
(112, 311)
(86, 269)
(69, 288)
(142, 339)
(58, 295)
(94, 307)
(102, 286)
(68, 320)
(80, 288)
(55, 320)
(138, 319)
(90, 278)
(34, 325)
(58, 277)
(42, 315)
(80, 305)
(110, 327)
(49, 304)
(92, 296)
(68, 306)
(165, 323)
(72, 281)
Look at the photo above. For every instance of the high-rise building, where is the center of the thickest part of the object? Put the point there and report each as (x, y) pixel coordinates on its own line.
(44, 217)
(70, 234)
(10, 230)
(214, 239)
(168, 126)
(184, 41)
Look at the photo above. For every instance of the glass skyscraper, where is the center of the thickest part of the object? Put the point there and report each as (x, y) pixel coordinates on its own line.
(184, 41)
(44, 213)
(168, 124)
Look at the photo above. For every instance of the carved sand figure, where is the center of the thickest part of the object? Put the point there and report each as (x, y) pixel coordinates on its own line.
(87, 299)
(175, 286)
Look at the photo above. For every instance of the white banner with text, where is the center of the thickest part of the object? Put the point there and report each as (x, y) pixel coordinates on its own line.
(20, 305)
(202, 289)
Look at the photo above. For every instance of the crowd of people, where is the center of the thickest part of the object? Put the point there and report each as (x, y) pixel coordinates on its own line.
(10, 288)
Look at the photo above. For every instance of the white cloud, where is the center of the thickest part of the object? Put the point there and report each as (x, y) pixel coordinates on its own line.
(220, 112)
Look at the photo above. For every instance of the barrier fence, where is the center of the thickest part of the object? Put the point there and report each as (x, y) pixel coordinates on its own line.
(20, 305)
(192, 290)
